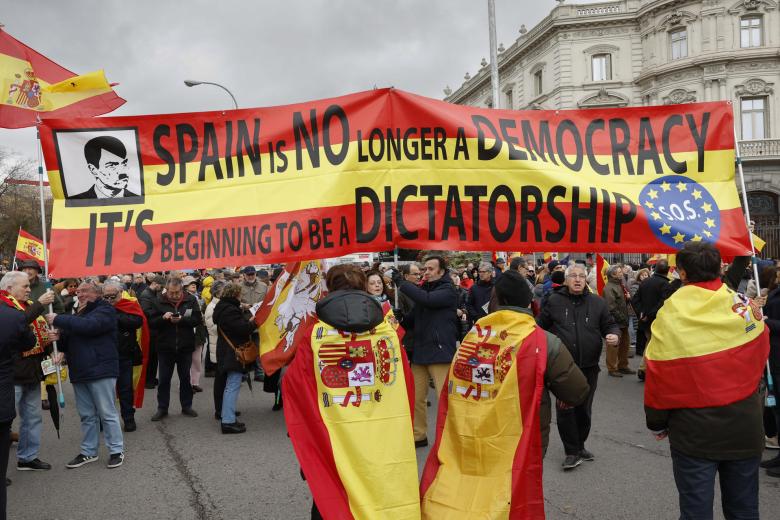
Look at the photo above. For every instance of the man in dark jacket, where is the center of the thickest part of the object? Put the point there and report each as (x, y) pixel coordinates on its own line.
(15, 337)
(411, 273)
(436, 332)
(614, 294)
(15, 293)
(705, 360)
(479, 294)
(147, 298)
(647, 301)
(128, 349)
(580, 319)
(174, 316)
(90, 343)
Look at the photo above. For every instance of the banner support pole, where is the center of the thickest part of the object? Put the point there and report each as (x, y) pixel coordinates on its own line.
(493, 53)
(55, 350)
(753, 259)
(395, 263)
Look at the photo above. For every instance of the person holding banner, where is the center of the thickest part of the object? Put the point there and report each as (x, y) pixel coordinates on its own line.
(580, 319)
(705, 359)
(15, 293)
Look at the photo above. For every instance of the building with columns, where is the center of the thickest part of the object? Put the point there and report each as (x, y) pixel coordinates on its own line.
(653, 52)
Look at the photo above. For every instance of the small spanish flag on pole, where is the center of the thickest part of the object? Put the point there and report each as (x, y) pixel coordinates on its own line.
(34, 86)
(601, 277)
(29, 247)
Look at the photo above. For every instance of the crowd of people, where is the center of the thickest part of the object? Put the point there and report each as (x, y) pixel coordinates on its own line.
(190, 322)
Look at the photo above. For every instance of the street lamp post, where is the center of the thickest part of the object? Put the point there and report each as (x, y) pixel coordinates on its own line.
(193, 83)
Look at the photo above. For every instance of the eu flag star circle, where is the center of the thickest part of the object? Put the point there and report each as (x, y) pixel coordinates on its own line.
(679, 209)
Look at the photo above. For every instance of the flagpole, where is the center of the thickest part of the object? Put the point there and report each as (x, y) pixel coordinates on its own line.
(395, 261)
(55, 350)
(753, 259)
(14, 266)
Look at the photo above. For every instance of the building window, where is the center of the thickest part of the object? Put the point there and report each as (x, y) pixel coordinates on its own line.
(509, 101)
(753, 112)
(601, 66)
(679, 41)
(538, 84)
(750, 31)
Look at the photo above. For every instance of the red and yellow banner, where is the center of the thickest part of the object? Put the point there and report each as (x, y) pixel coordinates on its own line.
(33, 86)
(384, 168)
(724, 362)
(29, 247)
(487, 458)
(286, 312)
(348, 404)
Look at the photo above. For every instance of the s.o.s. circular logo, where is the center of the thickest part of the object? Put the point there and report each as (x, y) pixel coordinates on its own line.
(679, 210)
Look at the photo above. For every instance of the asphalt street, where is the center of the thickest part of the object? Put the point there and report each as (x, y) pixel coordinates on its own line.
(184, 468)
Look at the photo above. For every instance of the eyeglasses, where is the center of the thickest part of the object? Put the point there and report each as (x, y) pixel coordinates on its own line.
(110, 296)
(578, 276)
(481, 271)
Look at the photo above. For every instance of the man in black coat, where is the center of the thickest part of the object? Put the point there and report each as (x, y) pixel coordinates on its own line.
(479, 294)
(174, 316)
(436, 326)
(15, 337)
(647, 300)
(147, 299)
(580, 319)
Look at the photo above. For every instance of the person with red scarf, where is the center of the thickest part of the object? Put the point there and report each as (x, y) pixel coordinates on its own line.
(132, 352)
(15, 293)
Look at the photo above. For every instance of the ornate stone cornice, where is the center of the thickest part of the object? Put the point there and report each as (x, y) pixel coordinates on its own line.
(680, 95)
(754, 87)
(603, 98)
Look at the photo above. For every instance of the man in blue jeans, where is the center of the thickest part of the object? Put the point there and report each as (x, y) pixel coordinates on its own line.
(89, 339)
(707, 352)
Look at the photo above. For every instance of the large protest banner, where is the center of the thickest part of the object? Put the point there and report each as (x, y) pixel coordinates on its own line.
(371, 170)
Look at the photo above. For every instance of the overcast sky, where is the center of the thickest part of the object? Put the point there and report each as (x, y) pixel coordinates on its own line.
(266, 53)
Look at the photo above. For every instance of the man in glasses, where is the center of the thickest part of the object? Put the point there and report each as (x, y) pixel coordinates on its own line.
(129, 318)
(582, 321)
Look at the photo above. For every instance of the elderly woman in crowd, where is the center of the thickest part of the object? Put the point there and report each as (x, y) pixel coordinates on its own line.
(376, 287)
(215, 291)
(233, 330)
(191, 286)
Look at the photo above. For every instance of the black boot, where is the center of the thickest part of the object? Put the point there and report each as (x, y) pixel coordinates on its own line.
(235, 427)
(771, 463)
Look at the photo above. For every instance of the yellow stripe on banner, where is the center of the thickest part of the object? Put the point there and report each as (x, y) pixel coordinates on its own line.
(480, 437)
(270, 193)
(373, 443)
(696, 321)
(13, 74)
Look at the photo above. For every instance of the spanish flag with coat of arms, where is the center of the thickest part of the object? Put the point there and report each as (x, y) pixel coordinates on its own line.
(32, 85)
(709, 347)
(487, 459)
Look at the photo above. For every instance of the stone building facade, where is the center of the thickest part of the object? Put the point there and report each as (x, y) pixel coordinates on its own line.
(653, 52)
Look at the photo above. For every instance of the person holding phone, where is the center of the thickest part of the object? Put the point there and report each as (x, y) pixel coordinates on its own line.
(174, 316)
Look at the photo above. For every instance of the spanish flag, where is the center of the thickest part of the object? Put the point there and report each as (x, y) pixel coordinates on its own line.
(549, 257)
(287, 309)
(709, 347)
(130, 305)
(348, 404)
(758, 243)
(601, 277)
(33, 85)
(487, 458)
(29, 247)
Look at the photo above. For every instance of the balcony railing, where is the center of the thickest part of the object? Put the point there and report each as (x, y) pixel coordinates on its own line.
(760, 148)
(599, 9)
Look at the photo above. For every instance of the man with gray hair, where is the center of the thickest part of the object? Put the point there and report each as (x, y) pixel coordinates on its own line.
(581, 320)
(617, 298)
(479, 294)
(89, 340)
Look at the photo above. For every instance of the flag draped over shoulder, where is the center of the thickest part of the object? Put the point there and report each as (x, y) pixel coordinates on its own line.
(287, 309)
(709, 347)
(32, 85)
(348, 404)
(130, 305)
(487, 458)
(29, 247)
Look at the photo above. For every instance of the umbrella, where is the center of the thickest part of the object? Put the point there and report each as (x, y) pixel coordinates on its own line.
(54, 407)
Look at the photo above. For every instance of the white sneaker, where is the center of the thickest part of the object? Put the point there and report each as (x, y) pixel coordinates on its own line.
(771, 443)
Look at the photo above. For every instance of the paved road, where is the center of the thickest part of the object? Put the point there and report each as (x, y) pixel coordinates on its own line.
(184, 468)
